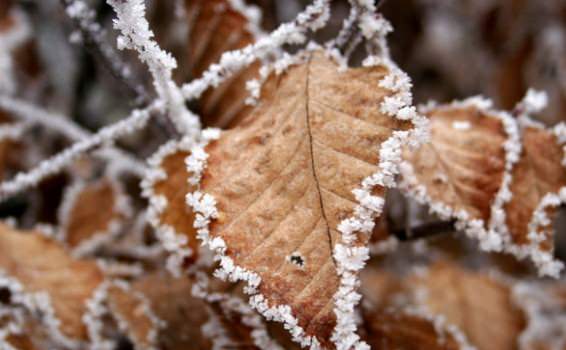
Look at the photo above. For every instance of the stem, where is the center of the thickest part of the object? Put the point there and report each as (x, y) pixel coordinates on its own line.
(423, 231)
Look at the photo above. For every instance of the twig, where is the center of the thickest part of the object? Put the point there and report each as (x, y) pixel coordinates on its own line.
(136, 34)
(35, 115)
(136, 120)
(424, 231)
(94, 38)
(312, 18)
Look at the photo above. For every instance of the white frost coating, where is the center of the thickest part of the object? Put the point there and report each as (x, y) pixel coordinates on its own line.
(351, 259)
(278, 67)
(233, 304)
(204, 207)
(175, 243)
(495, 235)
(150, 343)
(533, 102)
(10, 39)
(312, 18)
(31, 114)
(252, 14)
(38, 304)
(137, 35)
(136, 120)
(385, 246)
(122, 209)
(545, 314)
(96, 310)
(12, 131)
(441, 326)
(117, 269)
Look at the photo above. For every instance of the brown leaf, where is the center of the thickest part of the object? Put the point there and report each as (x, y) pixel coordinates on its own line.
(489, 172)
(42, 265)
(171, 301)
(461, 167)
(216, 28)
(165, 187)
(283, 181)
(544, 306)
(92, 213)
(388, 322)
(401, 331)
(538, 172)
(480, 306)
(134, 313)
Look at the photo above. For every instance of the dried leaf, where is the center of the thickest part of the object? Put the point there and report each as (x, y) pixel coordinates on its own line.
(217, 27)
(171, 301)
(401, 331)
(283, 180)
(92, 213)
(473, 302)
(485, 170)
(391, 322)
(166, 186)
(539, 172)
(544, 305)
(463, 165)
(134, 314)
(42, 265)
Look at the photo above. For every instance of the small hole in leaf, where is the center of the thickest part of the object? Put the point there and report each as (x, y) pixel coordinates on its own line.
(297, 259)
(5, 296)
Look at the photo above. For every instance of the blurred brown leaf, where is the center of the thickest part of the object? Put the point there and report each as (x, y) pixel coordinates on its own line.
(42, 265)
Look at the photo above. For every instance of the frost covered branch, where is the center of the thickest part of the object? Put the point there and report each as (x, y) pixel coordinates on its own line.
(136, 120)
(137, 35)
(94, 38)
(34, 115)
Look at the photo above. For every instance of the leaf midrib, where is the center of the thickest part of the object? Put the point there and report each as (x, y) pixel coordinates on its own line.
(313, 167)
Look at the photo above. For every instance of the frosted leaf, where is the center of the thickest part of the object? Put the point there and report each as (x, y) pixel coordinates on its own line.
(282, 183)
(61, 283)
(165, 186)
(93, 214)
(500, 178)
(216, 27)
(537, 180)
(471, 301)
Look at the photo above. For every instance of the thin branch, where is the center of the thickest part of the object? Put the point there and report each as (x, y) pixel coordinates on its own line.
(136, 34)
(312, 18)
(136, 120)
(94, 39)
(427, 230)
(36, 115)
